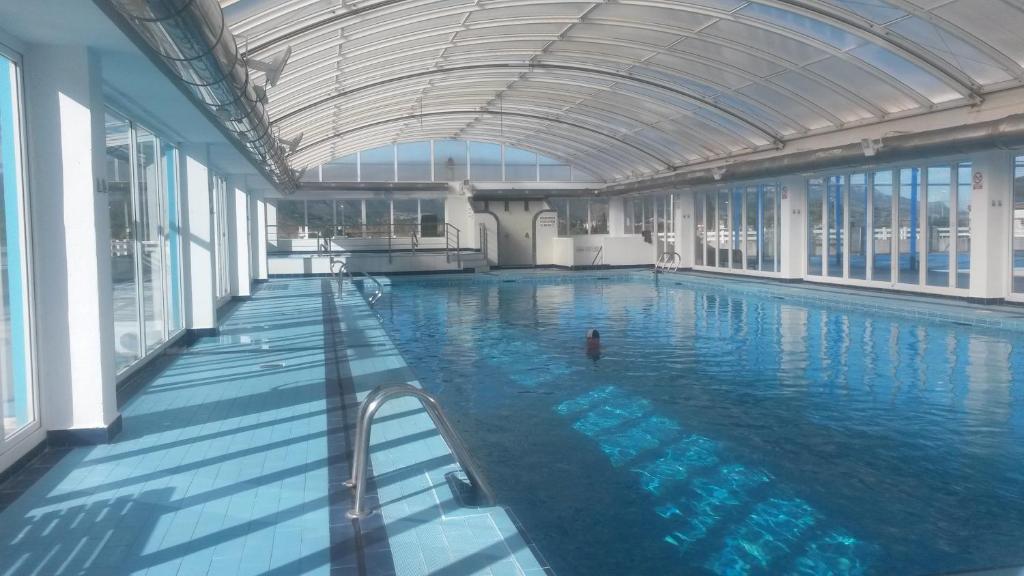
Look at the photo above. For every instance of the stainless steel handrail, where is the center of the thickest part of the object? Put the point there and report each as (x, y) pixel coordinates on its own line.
(600, 251)
(342, 270)
(380, 289)
(368, 409)
(448, 244)
(677, 259)
(668, 262)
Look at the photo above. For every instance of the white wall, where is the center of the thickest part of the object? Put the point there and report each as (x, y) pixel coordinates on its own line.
(515, 241)
(991, 209)
(71, 239)
(198, 241)
(240, 261)
(258, 220)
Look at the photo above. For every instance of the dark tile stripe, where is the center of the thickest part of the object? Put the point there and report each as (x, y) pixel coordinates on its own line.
(357, 546)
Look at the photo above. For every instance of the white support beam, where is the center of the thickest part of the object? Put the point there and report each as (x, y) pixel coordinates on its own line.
(991, 209)
(239, 260)
(71, 233)
(793, 226)
(196, 193)
(258, 221)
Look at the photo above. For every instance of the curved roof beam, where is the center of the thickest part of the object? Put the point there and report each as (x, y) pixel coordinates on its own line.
(866, 29)
(542, 99)
(342, 133)
(321, 88)
(824, 16)
(388, 48)
(767, 132)
(1007, 64)
(813, 77)
(669, 128)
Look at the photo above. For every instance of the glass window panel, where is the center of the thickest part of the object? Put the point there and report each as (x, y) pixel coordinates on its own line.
(836, 219)
(349, 214)
(909, 226)
(754, 214)
(378, 218)
(963, 225)
(722, 230)
(377, 164)
(552, 170)
(940, 181)
(520, 165)
(291, 219)
(561, 205)
(449, 160)
(344, 169)
(700, 243)
(432, 217)
(881, 226)
(320, 218)
(815, 225)
(127, 332)
(173, 241)
(221, 234)
(485, 161)
(598, 215)
(770, 237)
(16, 397)
(858, 238)
(638, 215)
(711, 255)
(736, 206)
(578, 217)
(406, 216)
(1018, 225)
(627, 215)
(414, 162)
(150, 235)
(580, 175)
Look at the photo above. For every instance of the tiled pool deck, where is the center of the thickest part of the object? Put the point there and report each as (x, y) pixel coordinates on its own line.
(231, 459)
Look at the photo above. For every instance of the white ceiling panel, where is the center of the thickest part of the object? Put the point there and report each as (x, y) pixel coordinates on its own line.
(678, 80)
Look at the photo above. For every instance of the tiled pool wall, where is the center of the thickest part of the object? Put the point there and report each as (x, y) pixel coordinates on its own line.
(910, 306)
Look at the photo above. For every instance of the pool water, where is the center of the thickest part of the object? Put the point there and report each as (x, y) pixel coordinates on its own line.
(722, 432)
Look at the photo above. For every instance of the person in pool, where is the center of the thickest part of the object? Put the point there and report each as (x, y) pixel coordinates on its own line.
(593, 345)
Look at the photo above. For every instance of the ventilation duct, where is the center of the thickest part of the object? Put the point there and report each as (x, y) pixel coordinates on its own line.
(1006, 133)
(193, 39)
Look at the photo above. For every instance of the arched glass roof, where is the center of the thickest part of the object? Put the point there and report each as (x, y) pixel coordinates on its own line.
(446, 161)
(624, 88)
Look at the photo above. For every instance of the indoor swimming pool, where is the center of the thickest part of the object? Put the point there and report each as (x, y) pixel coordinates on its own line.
(725, 429)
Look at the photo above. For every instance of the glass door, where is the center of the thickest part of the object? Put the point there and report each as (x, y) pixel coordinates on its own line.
(17, 392)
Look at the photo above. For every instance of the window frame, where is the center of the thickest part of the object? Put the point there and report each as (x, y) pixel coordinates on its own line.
(30, 341)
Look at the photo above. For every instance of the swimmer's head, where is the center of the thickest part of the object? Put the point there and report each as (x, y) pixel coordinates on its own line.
(593, 334)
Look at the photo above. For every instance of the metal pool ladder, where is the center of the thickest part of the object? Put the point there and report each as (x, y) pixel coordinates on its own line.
(368, 409)
(343, 271)
(668, 262)
(378, 293)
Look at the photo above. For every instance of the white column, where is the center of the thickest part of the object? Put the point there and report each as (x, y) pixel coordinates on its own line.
(258, 221)
(685, 233)
(991, 205)
(238, 240)
(616, 216)
(793, 226)
(201, 291)
(71, 262)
